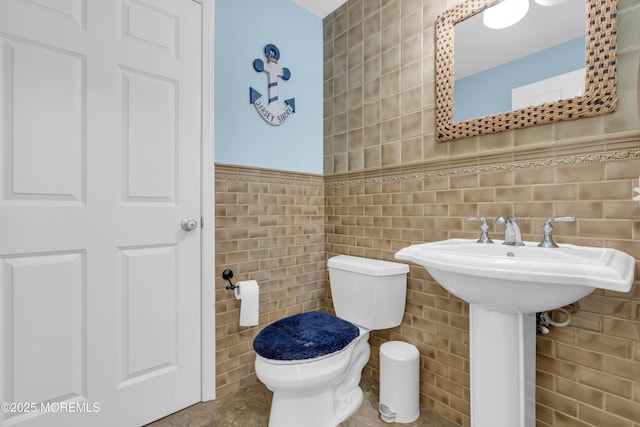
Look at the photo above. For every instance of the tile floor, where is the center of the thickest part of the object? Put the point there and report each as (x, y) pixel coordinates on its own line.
(250, 407)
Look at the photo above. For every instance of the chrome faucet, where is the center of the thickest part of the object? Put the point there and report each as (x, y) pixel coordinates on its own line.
(512, 235)
(484, 236)
(547, 241)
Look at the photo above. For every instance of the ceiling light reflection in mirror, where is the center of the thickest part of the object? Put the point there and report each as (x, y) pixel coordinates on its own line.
(547, 41)
(505, 14)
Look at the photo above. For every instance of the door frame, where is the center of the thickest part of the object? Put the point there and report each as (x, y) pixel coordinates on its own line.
(208, 315)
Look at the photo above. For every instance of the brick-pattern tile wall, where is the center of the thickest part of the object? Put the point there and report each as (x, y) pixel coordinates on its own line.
(588, 372)
(279, 228)
(389, 183)
(269, 228)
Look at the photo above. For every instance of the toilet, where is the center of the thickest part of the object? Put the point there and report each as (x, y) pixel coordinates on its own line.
(312, 362)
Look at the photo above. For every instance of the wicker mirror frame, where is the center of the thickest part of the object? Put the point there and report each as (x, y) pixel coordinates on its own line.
(600, 82)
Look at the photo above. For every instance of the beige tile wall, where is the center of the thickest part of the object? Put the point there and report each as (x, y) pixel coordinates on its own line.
(389, 184)
(379, 91)
(269, 228)
(279, 228)
(589, 372)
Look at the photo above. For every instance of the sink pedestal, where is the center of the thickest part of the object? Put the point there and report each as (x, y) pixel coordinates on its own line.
(503, 368)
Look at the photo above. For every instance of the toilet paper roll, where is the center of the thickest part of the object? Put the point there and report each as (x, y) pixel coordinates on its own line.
(248, 293)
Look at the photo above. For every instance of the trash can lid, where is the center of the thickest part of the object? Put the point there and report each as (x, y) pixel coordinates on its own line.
(399, 350)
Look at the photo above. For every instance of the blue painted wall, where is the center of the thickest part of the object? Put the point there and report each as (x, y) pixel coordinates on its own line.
(494, 86)
(242, 137)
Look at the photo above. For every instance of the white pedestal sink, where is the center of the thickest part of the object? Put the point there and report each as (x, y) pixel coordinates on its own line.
(505, 286)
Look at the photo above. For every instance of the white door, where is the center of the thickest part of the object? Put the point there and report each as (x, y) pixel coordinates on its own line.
(100, 123)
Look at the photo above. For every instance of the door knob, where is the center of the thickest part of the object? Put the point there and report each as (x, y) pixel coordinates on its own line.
(189, 224)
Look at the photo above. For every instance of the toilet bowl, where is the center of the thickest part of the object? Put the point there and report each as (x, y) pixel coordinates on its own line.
(313, 361)
(320, 392)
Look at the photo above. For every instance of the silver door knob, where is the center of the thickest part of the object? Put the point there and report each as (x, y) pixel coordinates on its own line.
(189, 224)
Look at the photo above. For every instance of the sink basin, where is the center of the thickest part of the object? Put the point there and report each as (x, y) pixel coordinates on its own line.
(521, 279)
(505, 286)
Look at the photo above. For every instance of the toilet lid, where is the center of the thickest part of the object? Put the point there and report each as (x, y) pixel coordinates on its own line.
(304, 336)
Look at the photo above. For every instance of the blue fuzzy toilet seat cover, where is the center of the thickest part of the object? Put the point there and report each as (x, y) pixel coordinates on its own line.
(304, 336)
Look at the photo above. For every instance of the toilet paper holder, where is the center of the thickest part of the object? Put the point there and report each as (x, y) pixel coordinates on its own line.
(228, 275)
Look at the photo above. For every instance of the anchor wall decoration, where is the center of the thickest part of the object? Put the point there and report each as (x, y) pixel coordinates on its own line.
(272, 113)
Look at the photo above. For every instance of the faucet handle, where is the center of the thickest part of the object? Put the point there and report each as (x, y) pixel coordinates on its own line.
(547, 240)
(560, 219)
(484, 236)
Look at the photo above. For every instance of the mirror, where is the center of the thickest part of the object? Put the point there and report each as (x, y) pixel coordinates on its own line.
(591, 87)
(498, 70)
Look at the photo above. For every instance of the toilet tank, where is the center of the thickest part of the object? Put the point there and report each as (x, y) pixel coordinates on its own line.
(368, 292)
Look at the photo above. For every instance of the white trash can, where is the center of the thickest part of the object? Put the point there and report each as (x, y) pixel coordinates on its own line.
(399, 382)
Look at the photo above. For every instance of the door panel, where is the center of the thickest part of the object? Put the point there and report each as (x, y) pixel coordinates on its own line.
(149, 109)
(151, 27)
(42, 101)
(72, 10)
(44, 286)
(149, 343)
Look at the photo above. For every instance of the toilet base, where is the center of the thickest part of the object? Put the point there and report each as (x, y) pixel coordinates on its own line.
(349, 404)
(322, 405)
(314, 410)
